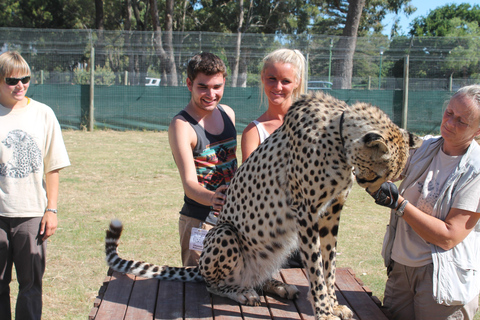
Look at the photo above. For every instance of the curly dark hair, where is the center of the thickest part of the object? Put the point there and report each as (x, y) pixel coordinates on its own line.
(206, 63)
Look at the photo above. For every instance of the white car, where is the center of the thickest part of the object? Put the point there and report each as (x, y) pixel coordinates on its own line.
(319, 85)
(152, 82)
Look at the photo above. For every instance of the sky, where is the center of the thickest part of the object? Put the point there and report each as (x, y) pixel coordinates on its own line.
(423, 8)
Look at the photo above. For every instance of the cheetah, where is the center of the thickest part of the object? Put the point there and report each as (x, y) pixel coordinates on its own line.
(26, 157)
(289, 194)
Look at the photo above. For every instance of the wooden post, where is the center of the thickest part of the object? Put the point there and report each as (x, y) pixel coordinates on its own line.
(91, 118)
(405, 92)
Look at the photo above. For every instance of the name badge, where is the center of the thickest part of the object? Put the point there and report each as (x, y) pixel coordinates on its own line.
(196, 239)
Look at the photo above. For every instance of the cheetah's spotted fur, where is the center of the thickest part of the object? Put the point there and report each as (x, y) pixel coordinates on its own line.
(288, 194)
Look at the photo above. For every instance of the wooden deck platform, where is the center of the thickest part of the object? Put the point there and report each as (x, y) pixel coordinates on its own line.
(128, 297)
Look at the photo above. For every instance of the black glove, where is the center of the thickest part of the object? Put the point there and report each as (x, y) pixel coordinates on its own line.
(387, 195)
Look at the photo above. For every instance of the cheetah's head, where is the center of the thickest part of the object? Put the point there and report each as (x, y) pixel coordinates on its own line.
(376, 147)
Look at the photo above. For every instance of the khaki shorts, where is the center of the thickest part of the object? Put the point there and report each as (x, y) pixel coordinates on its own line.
(185, 225)
(409, 295)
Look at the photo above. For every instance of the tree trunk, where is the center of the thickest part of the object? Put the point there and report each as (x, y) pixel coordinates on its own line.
(345, 47)
(140, 66)
(242, 71)
(182, 37)
(99, 26)
(236, 64)
(127, 39)
(99, 17)
(170, 66)
(167, 58)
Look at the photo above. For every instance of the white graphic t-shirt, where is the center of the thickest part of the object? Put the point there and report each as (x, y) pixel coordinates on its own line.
(409, 248)
(31, 144)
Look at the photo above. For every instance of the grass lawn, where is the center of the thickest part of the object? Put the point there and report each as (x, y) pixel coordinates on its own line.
(132, 176)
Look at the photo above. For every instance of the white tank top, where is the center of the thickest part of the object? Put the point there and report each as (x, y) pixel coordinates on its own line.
(262, 133)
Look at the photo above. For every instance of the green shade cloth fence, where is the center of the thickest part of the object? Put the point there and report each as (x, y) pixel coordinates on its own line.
(152, 108)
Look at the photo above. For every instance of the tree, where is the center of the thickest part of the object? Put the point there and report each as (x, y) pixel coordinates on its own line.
(238, 44)
(442, 21)
(459, 27)
(346, 46)
(358, 17)
(169, 74)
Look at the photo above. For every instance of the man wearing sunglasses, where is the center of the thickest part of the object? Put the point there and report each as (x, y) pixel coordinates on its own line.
(32, 152)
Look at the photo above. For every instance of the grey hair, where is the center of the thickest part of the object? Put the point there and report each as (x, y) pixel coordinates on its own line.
(472, 92)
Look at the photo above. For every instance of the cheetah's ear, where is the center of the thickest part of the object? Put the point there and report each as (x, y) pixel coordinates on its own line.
(376, 143)
(414, 141)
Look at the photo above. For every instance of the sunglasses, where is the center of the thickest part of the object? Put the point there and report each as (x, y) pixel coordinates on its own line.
(14, 81)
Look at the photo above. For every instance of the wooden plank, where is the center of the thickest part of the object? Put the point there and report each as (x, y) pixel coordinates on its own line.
(298, 278)
(281, 308)
(256, 312)
(141, 305)
(359, 300)
(126, 297)
(115, 300)
(198, 301)
(170, 301)
(225, 308)
(99, 298)
(341, 299)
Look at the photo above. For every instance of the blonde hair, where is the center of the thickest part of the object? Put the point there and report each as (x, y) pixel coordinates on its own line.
(12, 63)
(296, 59)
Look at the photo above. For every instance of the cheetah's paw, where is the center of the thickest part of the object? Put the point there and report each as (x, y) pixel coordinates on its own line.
(248, 297)
(281, 289)
(343, 312)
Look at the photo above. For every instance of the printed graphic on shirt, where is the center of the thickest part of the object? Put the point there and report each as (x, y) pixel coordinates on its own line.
(217, 164)
(26, 157)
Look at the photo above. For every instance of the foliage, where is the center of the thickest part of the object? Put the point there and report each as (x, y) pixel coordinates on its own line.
(449, 20)
(103, 76)
(460, 27)
(289, 16)
(334, 15)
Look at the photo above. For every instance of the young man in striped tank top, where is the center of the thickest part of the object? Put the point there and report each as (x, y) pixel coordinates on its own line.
(203, 141)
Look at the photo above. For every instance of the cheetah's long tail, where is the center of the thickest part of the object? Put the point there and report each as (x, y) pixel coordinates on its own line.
(140, 268)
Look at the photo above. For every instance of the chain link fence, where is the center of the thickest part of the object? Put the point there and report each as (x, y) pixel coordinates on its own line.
(130, 90)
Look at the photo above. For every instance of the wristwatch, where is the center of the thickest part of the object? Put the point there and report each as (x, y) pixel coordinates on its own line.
(52, 210)
(400, 211)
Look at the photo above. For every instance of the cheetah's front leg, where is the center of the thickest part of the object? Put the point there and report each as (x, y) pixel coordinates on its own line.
(312, 259)
(328, 243)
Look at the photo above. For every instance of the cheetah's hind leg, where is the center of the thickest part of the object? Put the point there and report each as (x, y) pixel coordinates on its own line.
(283, 290)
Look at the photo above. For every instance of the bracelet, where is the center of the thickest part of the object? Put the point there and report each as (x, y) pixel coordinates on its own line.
(401, 209)
(52, 210)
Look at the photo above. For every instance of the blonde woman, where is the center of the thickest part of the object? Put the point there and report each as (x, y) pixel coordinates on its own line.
(283, 79)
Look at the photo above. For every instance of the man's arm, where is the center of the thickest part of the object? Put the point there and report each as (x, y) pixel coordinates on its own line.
(182, 139)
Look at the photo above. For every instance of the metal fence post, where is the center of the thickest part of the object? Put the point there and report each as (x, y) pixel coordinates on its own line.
(91, 118)
(406, 67)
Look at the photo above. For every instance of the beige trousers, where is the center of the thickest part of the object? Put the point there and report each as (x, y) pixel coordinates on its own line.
(185, 225)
